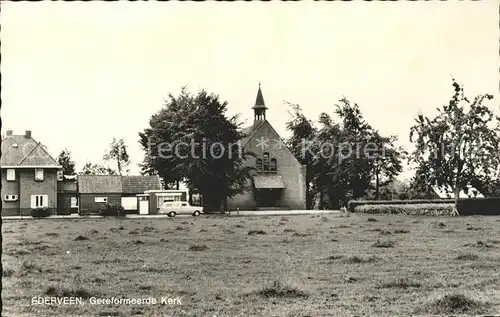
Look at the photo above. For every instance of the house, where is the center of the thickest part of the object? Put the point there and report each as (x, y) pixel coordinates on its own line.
(135, 185)
(67, 195)
(29, 175)
(279, 180)
(446, 192)
(97, 190)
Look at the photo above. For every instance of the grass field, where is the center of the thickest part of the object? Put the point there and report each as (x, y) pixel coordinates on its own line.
(334, 265)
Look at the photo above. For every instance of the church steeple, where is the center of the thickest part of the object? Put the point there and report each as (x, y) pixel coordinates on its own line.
(259, 108)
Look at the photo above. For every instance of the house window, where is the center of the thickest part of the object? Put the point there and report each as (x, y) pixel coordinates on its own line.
(11, 174)
(265, 162)
(273, 165)
(38, 201)
(39, 174)
(101, 199)
(60, 176)
(10, 198)
(74, 202)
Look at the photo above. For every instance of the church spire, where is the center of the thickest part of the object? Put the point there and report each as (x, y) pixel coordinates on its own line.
(260, 107)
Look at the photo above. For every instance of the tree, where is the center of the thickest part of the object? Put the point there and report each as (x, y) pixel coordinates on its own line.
(191, 140)
(387, 160)
(344, 155)
(64, 159)
(96, 169)
(459, 146)
(329, 178)
(118, 152)
(303, 130)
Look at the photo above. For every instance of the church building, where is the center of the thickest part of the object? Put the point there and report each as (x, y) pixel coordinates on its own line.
(279, 180)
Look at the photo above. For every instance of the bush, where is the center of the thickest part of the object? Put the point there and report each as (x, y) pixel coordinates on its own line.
(198, 247)
(453, 304)
(428, 209)
(280, 290)
(83, 212)
(255, 232)
(354, 203)
(479, 206)
(40, 212)
(111, 210)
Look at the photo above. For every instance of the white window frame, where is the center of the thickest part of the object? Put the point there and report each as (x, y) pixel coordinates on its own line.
(74, 202)
(39, 201)
(11, 174)
(100, 199)
(10, 197)
(60, 175)
(39, 174)
(165, 197)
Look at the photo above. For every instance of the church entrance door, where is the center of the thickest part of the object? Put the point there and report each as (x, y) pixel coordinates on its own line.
(269, 197)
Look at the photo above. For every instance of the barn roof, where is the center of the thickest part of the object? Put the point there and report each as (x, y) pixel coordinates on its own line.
(139, 184)
(95, 184)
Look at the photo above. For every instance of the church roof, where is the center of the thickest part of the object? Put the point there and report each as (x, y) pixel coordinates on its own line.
(259, 101)
(249, 131)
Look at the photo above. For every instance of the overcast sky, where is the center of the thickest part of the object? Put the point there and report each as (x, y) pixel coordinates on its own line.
(78, 74)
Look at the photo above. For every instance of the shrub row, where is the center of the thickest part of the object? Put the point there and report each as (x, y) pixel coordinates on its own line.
(111, 210)
(40, 212)
(479, 206)
(422, 209)
(354, 203)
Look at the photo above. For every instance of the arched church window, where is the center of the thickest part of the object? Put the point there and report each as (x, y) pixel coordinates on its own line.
(258, 165)
(266, 162)
(273, 165)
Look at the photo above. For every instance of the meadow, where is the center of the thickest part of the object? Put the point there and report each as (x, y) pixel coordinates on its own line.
(309, 265)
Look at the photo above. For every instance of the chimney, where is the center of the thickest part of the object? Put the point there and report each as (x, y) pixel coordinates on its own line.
(9, 132)
(27, 134)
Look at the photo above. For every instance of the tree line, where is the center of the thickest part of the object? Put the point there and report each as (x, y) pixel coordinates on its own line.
(117, 153)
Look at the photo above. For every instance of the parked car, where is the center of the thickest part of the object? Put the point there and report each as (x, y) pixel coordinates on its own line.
(180, 208)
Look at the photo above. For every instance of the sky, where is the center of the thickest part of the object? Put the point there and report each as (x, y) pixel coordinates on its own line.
(78, 74)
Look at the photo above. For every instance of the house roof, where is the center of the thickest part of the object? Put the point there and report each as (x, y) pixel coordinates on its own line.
(268, 181)
(95, 184)
(24, 151)
(139, 184)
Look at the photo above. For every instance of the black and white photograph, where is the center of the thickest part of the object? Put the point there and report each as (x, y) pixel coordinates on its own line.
(250, 158)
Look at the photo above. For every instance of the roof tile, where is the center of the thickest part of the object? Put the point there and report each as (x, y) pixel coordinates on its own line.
(139, 184)
(18, 150)
(93, 184)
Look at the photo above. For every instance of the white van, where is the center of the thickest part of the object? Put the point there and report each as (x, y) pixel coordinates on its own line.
(179, 208)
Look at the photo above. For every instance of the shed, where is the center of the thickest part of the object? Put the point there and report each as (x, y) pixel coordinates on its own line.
(97, 190)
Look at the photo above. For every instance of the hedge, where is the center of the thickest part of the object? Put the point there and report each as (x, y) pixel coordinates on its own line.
(40, 212)
(423, 209)
(479, 206)
(353, 203)
(111, 210)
